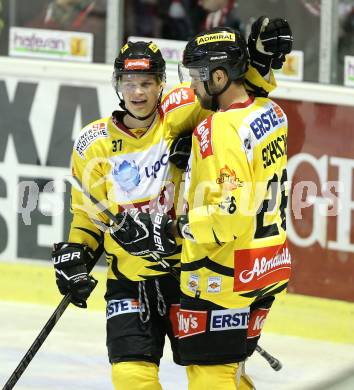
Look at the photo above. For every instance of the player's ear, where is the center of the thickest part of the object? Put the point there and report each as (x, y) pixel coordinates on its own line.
(218, 76)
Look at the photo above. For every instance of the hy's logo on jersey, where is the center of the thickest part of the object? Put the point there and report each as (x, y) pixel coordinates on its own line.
(216, 37)
(204, 136)
(117, 307)
(177, 98)
(191, 322)
(260, 267)
(228, 179)
(126, 175)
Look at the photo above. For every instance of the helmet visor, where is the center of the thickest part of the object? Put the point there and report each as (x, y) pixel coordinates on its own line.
(197, 73)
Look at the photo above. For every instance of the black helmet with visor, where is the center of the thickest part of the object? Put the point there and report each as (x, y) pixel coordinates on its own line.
(217, 48)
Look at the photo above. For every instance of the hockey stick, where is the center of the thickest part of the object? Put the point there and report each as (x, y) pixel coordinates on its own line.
(273, 362)
(43, 334)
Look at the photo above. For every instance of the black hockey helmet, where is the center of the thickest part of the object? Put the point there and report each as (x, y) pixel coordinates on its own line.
(219, 47)
(140, 57)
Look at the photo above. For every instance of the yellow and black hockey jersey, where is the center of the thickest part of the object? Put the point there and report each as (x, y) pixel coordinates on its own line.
(129, 167)
(237, 196)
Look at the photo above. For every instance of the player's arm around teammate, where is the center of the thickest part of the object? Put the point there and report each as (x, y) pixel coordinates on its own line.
(234, 257)
(122, 161)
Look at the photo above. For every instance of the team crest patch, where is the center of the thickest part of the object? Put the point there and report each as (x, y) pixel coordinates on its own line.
(214, 284)
(193, 282)
(126, 175)
(229, 179)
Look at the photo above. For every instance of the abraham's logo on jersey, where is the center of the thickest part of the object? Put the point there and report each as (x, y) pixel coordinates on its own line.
(126, 175)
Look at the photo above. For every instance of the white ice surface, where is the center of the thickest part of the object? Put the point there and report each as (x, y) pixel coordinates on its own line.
(74, 356)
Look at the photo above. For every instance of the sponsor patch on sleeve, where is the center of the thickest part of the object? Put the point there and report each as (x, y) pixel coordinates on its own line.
(260, 267)
(177, 98)
(203, 132)
(90, 135)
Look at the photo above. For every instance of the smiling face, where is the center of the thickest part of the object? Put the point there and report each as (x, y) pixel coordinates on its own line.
(140, 93)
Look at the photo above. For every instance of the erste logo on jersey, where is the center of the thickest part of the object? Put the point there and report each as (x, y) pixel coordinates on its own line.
(117, 307)
(260, 267)
(191, 322)
(229, 319)
(203, 133)
(256, 322)
(88, 136)
(268, 121)
(178, 97)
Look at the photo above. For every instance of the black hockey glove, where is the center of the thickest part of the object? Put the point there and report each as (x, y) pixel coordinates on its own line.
(268, 43)
(70, 270)
(181, 150)
(141, 233)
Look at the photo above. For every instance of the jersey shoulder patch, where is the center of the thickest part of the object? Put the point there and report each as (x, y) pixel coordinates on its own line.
(90, 134)
(203, 132)
(178, 97)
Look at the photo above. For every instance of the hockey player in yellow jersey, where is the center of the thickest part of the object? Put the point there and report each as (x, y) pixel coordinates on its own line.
(234, 255)
(235, 258)
(123, 162)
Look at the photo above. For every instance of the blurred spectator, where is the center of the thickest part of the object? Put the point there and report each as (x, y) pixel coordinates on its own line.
(221, 13)
(141, 18)
(303, 17)
(69, 15)
(175, 18)
(1, 18)
(346, 37)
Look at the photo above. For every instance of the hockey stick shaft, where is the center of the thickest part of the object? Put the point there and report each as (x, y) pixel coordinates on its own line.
(273, 362)
(44, 333)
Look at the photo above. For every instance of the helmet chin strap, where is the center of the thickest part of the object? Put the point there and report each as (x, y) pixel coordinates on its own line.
(214, 100)
(140, 118)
